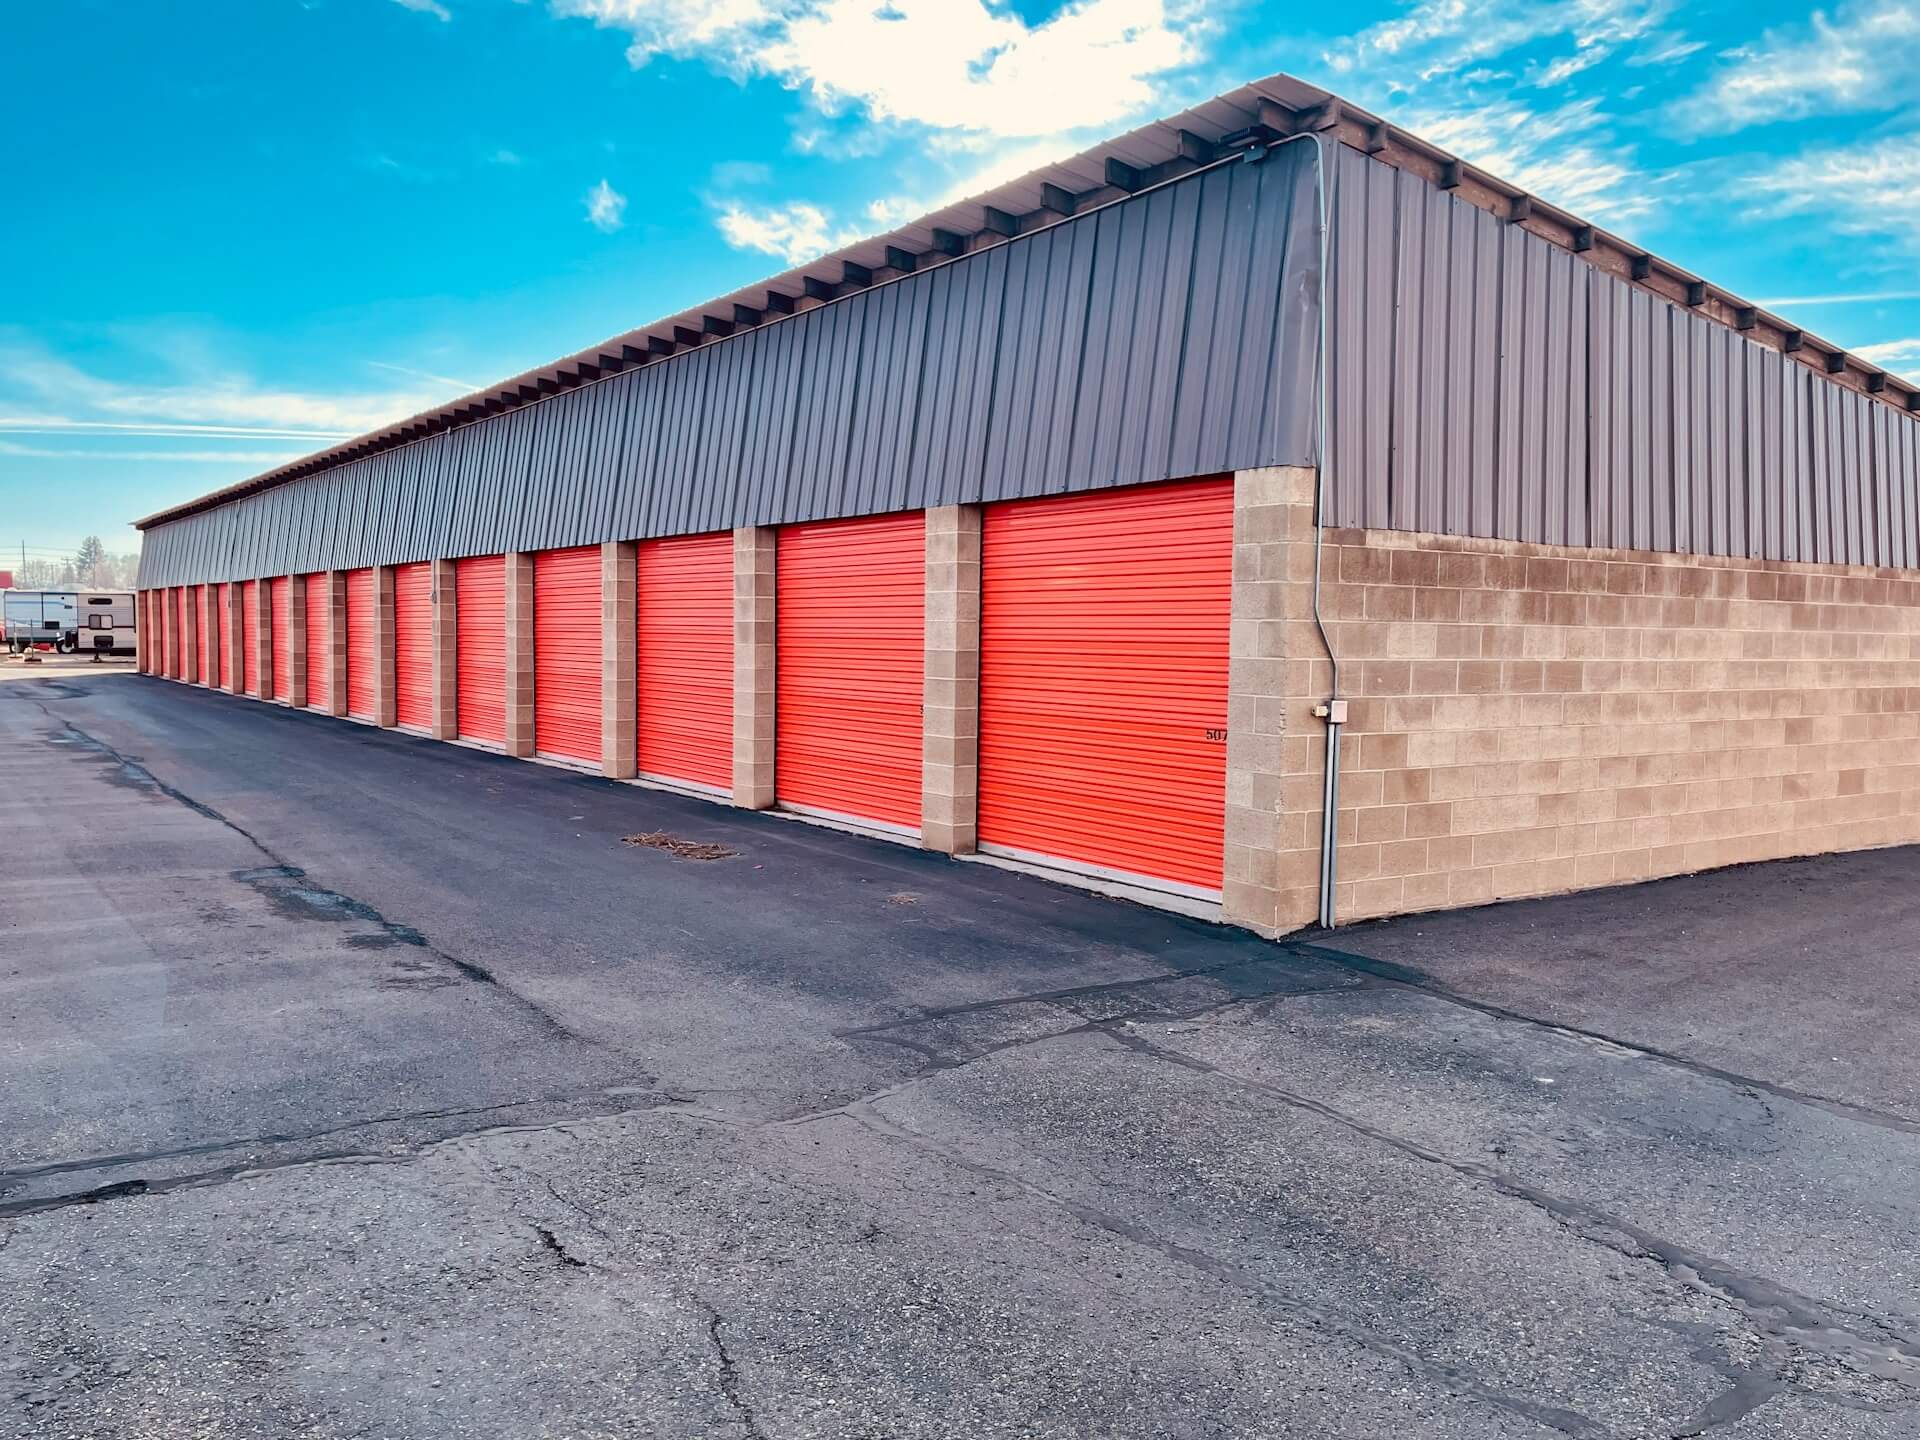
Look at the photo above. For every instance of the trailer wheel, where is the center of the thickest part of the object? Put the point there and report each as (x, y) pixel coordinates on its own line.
(67, 644)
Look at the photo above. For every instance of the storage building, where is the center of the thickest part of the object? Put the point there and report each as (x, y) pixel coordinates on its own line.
(1035, 529)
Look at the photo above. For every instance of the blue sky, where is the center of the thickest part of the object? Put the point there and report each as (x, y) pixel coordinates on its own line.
(242, 228)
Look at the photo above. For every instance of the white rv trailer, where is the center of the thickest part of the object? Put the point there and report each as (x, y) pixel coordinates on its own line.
(106, 622)
(100, 621)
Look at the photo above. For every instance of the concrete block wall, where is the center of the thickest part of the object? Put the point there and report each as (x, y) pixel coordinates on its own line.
(950, 738)
(753, 666)
(1527, 719)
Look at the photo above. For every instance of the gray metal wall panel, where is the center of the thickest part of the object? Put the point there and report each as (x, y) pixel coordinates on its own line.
(1174, 333)
(1485, 382)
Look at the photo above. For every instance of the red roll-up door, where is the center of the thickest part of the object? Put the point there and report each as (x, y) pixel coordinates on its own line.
(249, 623)
(182, 657)
(850, 652)
(1103, 679)
(685, 623)
(317, 668)
(279, 599)
(203, 659)
(222, 659)
(413, 645)
(362, 656)
(566, 653)
(480, 648)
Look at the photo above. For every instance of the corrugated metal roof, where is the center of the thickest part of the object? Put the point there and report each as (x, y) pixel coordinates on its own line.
(1099, 175)
(1172, 333)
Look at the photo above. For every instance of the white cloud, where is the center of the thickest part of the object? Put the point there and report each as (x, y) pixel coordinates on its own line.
(1561, 155)
(1439, 38)
(197, 457)
(1867, 189)
(449, 382)
(606, 208)
(965, 65)
(1864, 58)
(159, 430)
(796, 232)
(56, 397)
(1863, 297)
(1902, 356)
(425, 7)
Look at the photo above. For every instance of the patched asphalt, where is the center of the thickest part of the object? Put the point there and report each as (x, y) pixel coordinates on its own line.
(352, 1085)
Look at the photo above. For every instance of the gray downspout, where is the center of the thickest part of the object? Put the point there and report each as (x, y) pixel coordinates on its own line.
(1334, 711)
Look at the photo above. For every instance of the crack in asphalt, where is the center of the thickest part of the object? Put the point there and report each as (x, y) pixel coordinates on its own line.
(557, 1248)
(10, 1179)
(1567, 1422)
(132, 770)
(730, 1387)
(1386, 975)
(1773, 1311)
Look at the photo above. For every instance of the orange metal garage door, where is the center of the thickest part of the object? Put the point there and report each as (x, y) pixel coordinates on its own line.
(413, 645)
(480, 648)
(203, 621)
(317, 668)
(249, 623)
(685, 705)
(278, 600)
(361, 652)
(182, 657)
(1103, 679)
(850, 648)
(566, 653)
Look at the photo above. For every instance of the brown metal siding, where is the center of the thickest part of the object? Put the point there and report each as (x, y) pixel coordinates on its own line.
(1487, 383)
(1169, 334)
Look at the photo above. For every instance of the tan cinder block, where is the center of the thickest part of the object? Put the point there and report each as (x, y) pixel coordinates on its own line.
(176, 639)
(190, 640)
(619, 677)
(336, 642)
(386, 700)
(446, 700)
(754, 599)
(297, 601)
(233, 638)
(519, 639)
(1272, 512)
(262, 620)
(1531, 718)
(949, 774)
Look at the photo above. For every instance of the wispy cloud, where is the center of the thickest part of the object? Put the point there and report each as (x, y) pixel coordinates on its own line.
(1438, 38)
(1864, 297)
(946, 64)
(606, 208)
(50, 395)
(426, 7)
(1863, 58)
(1501, 82)
(192, 457)
(65, 425)
(463, 386)
(1561, 154)
(1902, 356)
(1872, 188)
(796, 232)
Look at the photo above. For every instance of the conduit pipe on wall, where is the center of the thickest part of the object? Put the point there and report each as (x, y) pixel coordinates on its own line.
(1334, 709)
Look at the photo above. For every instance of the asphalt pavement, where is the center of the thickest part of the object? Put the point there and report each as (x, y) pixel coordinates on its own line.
(357, 1086)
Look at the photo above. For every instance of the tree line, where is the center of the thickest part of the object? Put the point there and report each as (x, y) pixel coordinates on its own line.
(90, 567)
